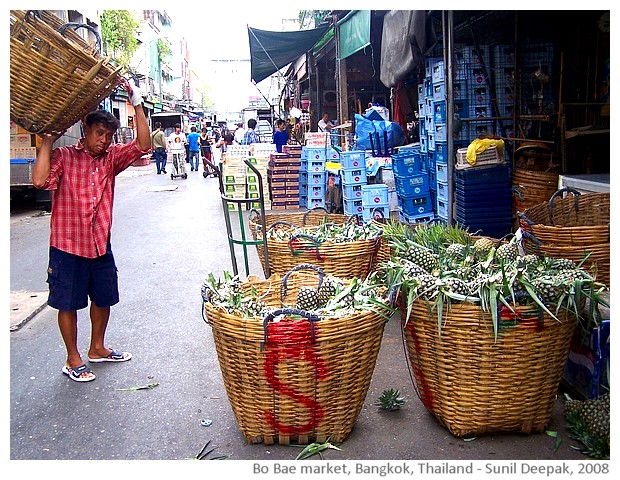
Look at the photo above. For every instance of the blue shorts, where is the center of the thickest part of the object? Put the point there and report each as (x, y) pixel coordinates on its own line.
(73, 279)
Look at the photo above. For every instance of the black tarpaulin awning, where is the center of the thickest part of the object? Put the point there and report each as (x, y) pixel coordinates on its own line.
(408, 35)
(271, 51)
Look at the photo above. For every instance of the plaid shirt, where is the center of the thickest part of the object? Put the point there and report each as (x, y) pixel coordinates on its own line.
(250, 137)
(83, 196)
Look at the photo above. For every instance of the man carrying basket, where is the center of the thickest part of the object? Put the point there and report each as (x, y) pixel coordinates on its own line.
(81, 263)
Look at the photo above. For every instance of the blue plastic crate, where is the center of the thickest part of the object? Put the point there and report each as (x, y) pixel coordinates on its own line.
(415, 219)
(442, 173)
(408, 163)
(315, 154)
(315, 203)
(352, 192)
(442, 207)
(303, 201)
(353, 207)
(442, 189)
(316, 192)
(441, 153)
(439, 91)
(355, 176)
(439, 113)
(415, 205)
(316, 166)
(411, 186)
(441, 133)
(317, 178)
(375, 194)
(353, 159)
(483, 175)
(376, 212)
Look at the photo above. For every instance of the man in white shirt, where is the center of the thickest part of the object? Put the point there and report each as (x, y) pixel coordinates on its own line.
(239, 133)
(325, 124)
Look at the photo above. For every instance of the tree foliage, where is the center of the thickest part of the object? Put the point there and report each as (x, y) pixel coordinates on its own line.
(312, 18)
(118, 35)
(163, 51)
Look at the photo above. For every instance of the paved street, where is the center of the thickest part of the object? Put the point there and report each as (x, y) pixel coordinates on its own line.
(167, 236)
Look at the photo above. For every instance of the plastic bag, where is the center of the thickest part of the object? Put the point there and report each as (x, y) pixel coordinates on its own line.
(371, 135)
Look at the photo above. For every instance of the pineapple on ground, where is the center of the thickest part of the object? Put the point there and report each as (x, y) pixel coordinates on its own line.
(390, 400)
(588, 422)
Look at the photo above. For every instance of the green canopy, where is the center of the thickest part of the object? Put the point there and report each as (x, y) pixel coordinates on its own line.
(271, 51)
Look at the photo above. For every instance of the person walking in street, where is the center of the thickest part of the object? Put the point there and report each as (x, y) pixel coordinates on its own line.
(222, 144)
(81, 262)
(194, 149)
(250, 136)
(176, 147)
(205, 152)
(280, 136)
(158, 144)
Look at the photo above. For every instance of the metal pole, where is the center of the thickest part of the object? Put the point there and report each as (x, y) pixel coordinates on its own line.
(448, 43)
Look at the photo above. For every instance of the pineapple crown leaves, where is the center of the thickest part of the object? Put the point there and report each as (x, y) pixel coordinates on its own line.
(390, 400)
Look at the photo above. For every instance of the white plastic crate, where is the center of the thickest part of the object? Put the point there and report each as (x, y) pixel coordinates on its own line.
(489, 157)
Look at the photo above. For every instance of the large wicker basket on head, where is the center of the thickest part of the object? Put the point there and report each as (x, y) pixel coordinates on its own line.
(474, 384)
(299, 379)
(355, 258)
(573, 227)
(56, 77)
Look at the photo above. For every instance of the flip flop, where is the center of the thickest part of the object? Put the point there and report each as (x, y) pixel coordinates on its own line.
(76, 373)
(114, 356)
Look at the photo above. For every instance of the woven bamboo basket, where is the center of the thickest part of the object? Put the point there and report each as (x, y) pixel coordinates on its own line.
(299, 380)
(356, 258)
(532, 187)
(475, 385)
(571, 227)
(56, 78)
(311, 218)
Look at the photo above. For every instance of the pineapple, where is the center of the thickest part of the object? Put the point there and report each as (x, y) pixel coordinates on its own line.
(507, 253)
(307, 298)
(482, 247)
(422, 257)
(390, 400)
(327, 290)
(411, 269)
(456, 252)
(588, 422)
(456, 285)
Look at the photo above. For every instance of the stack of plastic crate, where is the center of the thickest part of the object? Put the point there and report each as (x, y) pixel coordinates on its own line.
(353, 176)
(312, 176)
(261, 153)
(483, 198)
(504, 65)
(415, 204)
(479, 91)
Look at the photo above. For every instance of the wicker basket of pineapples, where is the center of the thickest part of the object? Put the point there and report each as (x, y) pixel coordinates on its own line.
(346, 249)
(487, 329)
(296, 352)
